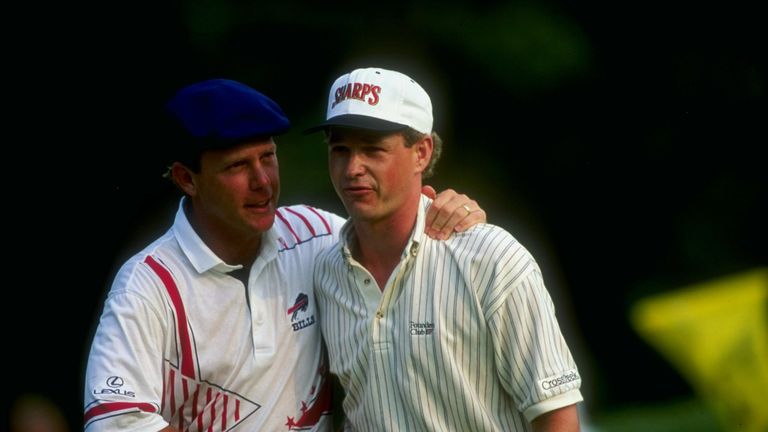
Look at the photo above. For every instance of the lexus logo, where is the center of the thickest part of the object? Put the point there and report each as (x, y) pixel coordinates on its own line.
(115, 381)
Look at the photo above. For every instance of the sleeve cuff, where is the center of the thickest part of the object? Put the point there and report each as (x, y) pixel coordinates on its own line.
(562, 400)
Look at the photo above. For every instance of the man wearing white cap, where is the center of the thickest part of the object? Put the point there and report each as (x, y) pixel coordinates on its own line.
(423, 334)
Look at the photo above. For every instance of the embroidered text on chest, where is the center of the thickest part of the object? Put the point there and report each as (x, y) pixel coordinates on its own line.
(422, 328)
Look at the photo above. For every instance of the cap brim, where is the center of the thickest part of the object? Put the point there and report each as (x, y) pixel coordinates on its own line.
(358, 122)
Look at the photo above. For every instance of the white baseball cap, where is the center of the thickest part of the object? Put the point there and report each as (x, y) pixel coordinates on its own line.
(377, 99)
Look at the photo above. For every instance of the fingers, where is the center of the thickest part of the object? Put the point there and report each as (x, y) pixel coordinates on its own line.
(475, 217)
(428, 191)
(454, 212)
(432, 213)
(463, 209)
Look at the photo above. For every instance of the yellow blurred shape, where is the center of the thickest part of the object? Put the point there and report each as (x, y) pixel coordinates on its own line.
(716, 335)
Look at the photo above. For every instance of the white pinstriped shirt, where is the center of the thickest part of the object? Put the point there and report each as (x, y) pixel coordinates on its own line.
(463, 337)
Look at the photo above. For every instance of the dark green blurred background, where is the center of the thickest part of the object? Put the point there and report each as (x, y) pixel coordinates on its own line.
(619, 143)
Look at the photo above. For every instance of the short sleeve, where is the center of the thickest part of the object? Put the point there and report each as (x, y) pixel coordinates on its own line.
(124, 378)
(534, 362)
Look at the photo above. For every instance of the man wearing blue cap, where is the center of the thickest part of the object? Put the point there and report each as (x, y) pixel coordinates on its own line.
(214, 326)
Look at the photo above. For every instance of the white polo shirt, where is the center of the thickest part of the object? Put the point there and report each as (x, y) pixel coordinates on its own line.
(181, 342)
(463, 338)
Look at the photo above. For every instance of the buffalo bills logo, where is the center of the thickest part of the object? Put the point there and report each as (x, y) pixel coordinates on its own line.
(300, 305)
(302, 301)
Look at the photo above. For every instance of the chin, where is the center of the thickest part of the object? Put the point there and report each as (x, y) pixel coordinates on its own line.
(362, 214)
(263, 224)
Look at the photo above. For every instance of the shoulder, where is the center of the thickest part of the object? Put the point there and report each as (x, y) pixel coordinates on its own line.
(299, 224)
(489, 242)
(328, 268)
(330, 258)
(145, 272)
(492, 258)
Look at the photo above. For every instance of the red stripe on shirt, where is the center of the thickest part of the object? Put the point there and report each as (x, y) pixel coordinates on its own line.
(224, 413)
(181, 417)
(109, 407)
(207, 403)
(213, 412)
(194, 401)
(187, 366)
(325, 222)
(172, 379)
(162, 399)
(185, 393)
(285, 221)
(303, 219)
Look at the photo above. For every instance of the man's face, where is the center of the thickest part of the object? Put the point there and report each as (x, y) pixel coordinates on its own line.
(236, 190)
(373, 173)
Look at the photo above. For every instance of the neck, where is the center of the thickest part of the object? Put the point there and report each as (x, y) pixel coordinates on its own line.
(233, 247)
(379, 244)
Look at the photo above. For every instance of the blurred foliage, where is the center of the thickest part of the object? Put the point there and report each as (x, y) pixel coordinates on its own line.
(680, 415)
(526, 47)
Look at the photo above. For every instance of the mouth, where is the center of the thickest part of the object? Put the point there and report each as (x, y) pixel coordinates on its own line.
(259, 206)
(357, 190)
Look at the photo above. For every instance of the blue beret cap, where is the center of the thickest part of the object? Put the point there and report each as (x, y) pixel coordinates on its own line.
(218, 113)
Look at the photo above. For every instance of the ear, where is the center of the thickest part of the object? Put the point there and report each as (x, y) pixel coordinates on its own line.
(423, 152)
(184, 178)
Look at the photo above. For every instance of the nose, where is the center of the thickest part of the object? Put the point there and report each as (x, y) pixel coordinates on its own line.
(355, 165)
(258, 178)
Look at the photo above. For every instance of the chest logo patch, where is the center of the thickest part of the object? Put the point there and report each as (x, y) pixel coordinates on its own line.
(422, 328)
(300, 317)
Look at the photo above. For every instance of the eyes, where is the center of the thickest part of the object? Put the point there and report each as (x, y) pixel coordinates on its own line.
(268, 156)
(368, 150)
(338, 149)
(235, 165)
(266, 159)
